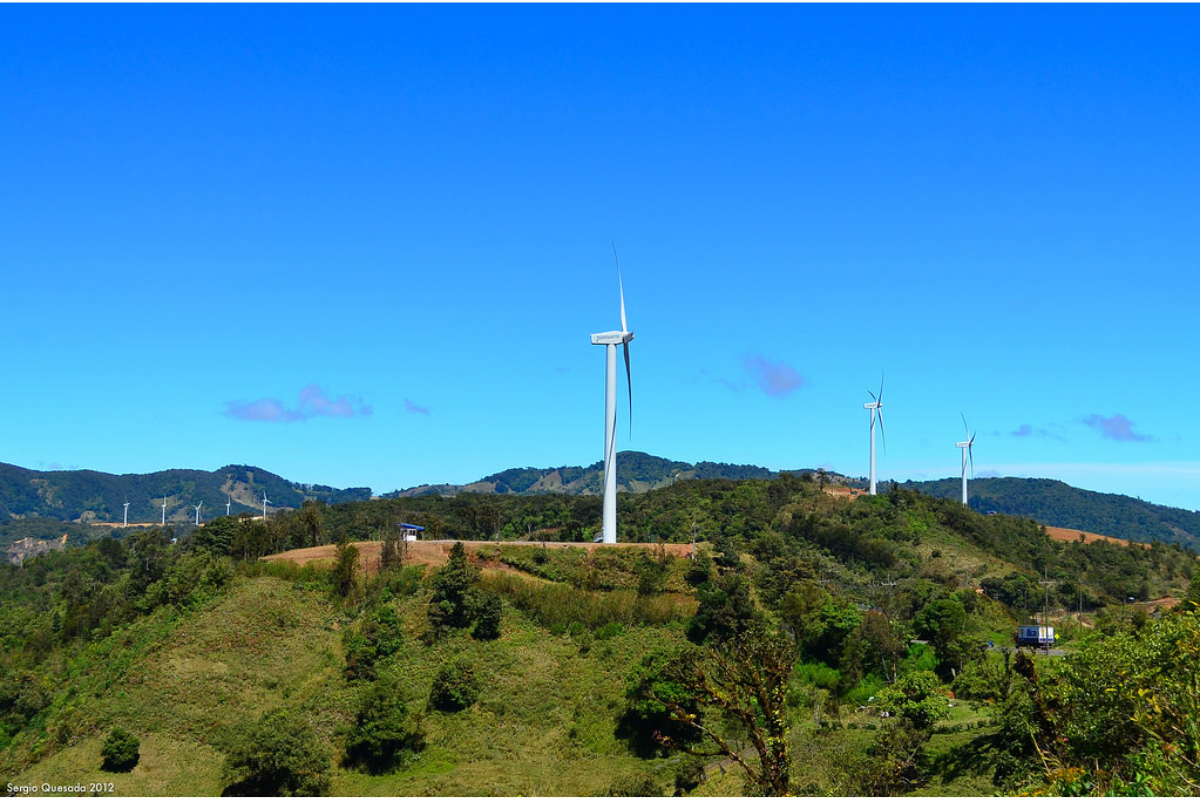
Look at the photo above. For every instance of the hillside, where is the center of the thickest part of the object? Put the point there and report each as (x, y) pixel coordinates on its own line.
(89, 496)
(636, 472)
(514, 668)
(1055, 503)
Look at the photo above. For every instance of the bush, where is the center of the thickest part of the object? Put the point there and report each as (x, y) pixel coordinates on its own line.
(384, 733)
(636, 785)
(277, 755)
(120, 751)
(455, 686)
(488, 612)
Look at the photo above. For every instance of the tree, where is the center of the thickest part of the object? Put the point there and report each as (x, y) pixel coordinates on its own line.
(384, 733)
(345, 568)
(452, 584)
(455, 686)
(743, 680)
(726, 609)
(120, 751)
(277, 755)
(488, 610)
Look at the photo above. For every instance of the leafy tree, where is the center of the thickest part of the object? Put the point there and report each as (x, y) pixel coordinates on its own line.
(345, 568)
(455, 686)
(384, 732)
(743, 679)
(452, 584)
(277, 755)
(488, 610)
(120, 751)
(647, 722)
(726, 609)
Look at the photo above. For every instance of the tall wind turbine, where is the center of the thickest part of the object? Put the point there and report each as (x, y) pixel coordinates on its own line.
(228, 502)
(610, 340)
(966, 453)
(198, 511)
(164, 520)
(125, 521)
(876, 407)
(265, 501)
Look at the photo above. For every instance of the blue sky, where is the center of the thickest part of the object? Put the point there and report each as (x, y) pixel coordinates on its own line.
(366, 245)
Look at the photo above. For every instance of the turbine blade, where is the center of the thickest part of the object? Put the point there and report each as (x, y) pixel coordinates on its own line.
(880, 388)
(971, 456)
(621, 289)
(873, 397)
(629, 383)
(882, 435)
(965, 429)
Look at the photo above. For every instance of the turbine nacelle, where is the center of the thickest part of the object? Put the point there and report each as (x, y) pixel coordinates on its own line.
(612, 337)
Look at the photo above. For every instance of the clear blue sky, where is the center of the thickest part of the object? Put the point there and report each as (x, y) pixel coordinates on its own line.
(366, 245)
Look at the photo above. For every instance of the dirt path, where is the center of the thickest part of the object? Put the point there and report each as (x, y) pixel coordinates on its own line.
(1072, 535)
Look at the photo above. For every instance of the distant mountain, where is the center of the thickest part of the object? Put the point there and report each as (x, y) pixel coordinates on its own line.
(98, 497)
(1052, 502)
(636, 473)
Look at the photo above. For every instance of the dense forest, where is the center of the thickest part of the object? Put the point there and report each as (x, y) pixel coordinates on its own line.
(812, 645)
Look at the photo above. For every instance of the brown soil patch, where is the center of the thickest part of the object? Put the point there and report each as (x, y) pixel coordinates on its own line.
(844, 491)
(1072, 535)
(436, 553)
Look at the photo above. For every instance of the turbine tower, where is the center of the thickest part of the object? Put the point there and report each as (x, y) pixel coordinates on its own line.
(876, 407)
(164, 519)
(966, 453)
(610, 340)
(265, 501)
(228, 503)
(125, 521)
(198, 511)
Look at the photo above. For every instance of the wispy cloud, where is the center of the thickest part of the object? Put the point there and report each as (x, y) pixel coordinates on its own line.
(313, 402)
(775, 378)
(1027, 430)
(1117, 427)
(413, 408)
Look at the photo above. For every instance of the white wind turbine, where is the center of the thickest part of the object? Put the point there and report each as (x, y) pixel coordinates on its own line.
(966, 453)
(125, 521)
(198, 511)
(265, 502)
(876, 407)
(228, 502)
(610, 340)
(164, 519)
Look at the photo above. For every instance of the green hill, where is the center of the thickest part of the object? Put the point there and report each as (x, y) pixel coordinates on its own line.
(206, 654)
(90, 496)
(1053, 502)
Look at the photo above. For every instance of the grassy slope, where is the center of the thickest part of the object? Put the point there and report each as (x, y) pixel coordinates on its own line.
(543, 725)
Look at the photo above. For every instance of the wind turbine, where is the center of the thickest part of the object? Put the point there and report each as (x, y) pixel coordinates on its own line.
(198, 511)
(228, 502)
(125, 521)
(610, 340)
(265, 501)
(966, 453)
(164, 520)
(876, 407)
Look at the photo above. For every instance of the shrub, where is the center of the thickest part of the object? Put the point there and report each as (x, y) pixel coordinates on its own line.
(120, 751)
(277, 755)
(384, 733)
(455, 686)
(638, 784)
(489, 609)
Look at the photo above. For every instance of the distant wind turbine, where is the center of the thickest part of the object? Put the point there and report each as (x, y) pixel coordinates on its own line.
(876, 407)
(265, 501)
(610, 340)
(125, 522)
(164, 519)
(228, 503)
(966, 453)
(198, 511)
